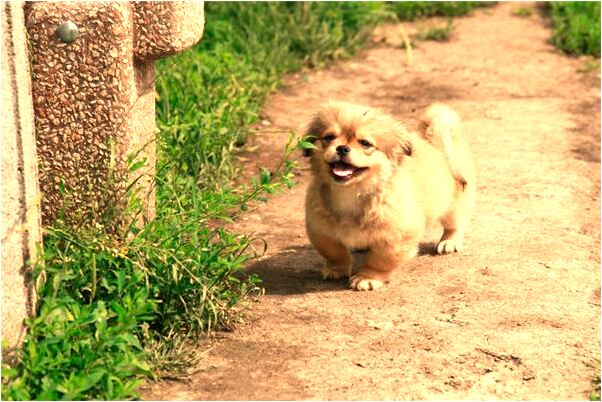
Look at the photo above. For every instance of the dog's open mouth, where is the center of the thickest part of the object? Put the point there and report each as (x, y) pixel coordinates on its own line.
(343, 171)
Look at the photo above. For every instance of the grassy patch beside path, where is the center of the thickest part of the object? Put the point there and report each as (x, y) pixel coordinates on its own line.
(576, 26)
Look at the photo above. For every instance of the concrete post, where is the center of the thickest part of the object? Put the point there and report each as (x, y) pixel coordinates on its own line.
(20, 225)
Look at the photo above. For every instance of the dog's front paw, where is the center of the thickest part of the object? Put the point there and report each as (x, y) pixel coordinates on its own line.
(360, 282)
(332, 273)
(449, 246)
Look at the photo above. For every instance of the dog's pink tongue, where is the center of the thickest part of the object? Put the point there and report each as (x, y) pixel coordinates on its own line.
(342, 170)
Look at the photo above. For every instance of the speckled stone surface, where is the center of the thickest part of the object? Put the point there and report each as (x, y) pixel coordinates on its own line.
(82, 93)
(20, 225)
(167, 27)
(94, 99)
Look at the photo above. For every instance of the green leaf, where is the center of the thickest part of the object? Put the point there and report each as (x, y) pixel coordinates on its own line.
(265, 175)
(306, 145)
(137, 165)
(131, 340)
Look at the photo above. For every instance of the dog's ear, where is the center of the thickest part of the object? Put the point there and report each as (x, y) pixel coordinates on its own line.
(404, 142)
(314, 129)
(402, 149)
(398, 144)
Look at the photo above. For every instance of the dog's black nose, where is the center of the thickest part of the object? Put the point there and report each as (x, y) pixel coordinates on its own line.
(343, 150)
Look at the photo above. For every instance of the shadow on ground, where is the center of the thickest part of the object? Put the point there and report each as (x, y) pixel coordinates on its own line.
(296, 270)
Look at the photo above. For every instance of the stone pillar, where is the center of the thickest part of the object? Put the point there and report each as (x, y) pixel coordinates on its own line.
(20, 197)
(94, 99)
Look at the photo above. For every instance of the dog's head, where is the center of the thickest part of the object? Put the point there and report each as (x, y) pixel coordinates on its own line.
(356, 144)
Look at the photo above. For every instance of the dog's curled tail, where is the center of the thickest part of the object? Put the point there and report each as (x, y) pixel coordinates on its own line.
(441, 126)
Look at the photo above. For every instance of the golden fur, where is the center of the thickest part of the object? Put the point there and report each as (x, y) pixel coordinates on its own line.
(376, 185)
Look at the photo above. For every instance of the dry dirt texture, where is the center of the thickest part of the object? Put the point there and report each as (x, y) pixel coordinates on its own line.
(514, 316)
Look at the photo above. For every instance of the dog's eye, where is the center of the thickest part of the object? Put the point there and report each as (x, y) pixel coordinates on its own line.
(365, 143)
(328, 138)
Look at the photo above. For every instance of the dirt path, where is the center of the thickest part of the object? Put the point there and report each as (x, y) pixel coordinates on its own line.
(516, 315)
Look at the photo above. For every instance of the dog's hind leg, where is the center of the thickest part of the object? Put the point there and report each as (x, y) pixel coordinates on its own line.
(455, 221)
(441, 127)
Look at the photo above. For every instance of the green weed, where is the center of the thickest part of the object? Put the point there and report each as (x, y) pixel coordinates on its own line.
(108, 298)
(522, 12)
(594, 364)
(83, 341)
(436, 33)
(595, 393)
(576, 26)
(410, 10)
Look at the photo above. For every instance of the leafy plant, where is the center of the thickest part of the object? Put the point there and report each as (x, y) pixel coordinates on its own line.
(576, 26)
(84, 340)
(108, 298)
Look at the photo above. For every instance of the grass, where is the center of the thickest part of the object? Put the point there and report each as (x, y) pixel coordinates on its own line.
(119, 307)
(522, 12)
(436, 33)
(576, 27)
(594, 394)
(212, 93)
(411, 10)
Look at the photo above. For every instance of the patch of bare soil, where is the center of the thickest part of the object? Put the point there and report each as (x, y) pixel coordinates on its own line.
(514, 316)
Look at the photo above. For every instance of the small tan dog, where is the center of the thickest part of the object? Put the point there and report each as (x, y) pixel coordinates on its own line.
(377, 185)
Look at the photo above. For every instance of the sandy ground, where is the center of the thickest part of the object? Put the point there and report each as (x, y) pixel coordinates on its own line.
(514, 316)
